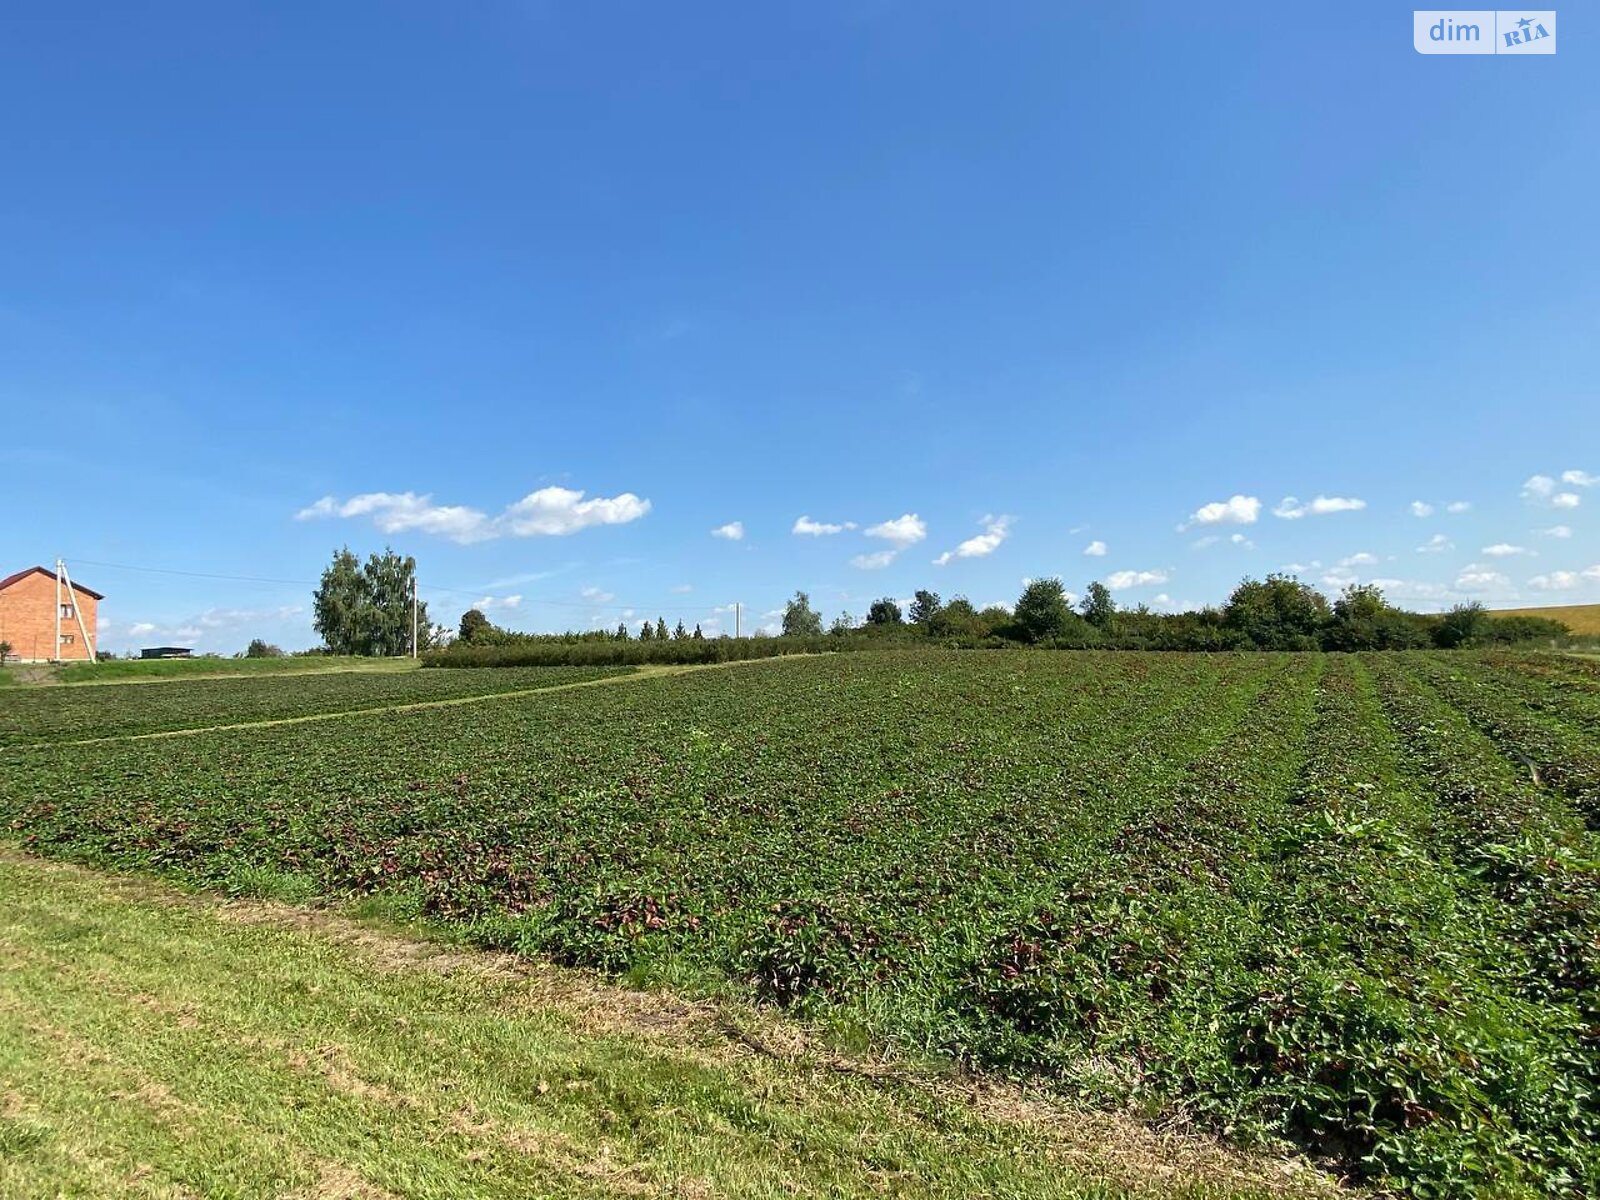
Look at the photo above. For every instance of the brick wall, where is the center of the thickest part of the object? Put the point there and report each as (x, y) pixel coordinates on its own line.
(28, 619)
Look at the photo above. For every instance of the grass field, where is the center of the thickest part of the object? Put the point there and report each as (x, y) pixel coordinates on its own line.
(1346, 904)
(1583, 619)
(153, 1045)
(134, 669)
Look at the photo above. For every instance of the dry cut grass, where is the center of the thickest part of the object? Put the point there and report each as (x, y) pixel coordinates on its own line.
(155, 1044)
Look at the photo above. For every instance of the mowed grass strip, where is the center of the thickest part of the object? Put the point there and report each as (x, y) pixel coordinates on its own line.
(154, 1044)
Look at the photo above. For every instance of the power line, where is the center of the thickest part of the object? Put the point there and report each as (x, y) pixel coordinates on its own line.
(191, 574)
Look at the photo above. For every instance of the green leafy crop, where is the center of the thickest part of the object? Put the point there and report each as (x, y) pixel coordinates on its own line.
(1349, 903)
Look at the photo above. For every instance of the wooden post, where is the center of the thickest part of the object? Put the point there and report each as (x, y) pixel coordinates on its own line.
(77, 611)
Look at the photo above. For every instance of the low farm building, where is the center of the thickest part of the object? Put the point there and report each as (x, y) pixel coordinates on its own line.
(34, 606)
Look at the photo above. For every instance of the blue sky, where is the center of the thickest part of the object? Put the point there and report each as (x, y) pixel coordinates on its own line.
(545, 293)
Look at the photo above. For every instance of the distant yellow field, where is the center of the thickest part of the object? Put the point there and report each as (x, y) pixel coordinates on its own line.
(1580, 618)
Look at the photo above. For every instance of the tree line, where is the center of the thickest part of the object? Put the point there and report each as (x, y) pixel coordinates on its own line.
(1278, 613)
(365, 609)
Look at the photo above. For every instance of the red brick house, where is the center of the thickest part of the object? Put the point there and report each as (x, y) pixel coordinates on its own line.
(28, 612)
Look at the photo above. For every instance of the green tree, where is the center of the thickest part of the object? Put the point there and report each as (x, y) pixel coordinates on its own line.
(339, 603)
(1464, 625)
(798, 618)
(679, 633)
(646, 632)
(884, 611)
(622, 631)
(698, 636)
(261, 648)
(366, 609)
(661, 629)
(474, 626)
(1280, 613)
(389, 580)
(1363, 620)
(958, 619)
(843, 625)
(1097, 607)
(994, 621)
(1042, 613)
(924, 608)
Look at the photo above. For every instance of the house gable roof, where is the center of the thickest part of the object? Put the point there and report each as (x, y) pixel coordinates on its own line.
(26, 571)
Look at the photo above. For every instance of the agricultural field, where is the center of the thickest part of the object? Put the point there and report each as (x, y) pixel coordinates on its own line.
(1582, 619)
(54, 714)
(1343, 904)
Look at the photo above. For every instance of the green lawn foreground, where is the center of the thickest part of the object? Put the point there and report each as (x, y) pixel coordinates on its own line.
(158, 1044)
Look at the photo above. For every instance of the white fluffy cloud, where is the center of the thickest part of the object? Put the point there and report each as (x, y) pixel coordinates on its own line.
(805, 526)
(1236, 510)
(1541, 489)
(1360, 558)
(1437, 544)
(548, 512)
(218, 628)
(1422, 508)
(1415, 591)
(903, 531)
(995, 531)
(1291, 509)
(733, 531)
(875, 561)
(1537, 486)
(1095, 549)
(558, 511)
(1478, 578)
(1504, 550)
(1339, 577)
(1556, 581)
(595, 595)
(1555, 531)
(1118, 580)
(490, 603)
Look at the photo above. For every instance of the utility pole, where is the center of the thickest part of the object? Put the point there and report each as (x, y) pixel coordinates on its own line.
(413, 612)
(55, 655)
(736, 619)
(77, 610)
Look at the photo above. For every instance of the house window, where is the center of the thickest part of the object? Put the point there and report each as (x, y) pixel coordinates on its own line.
(66, 639)
(66, 612)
